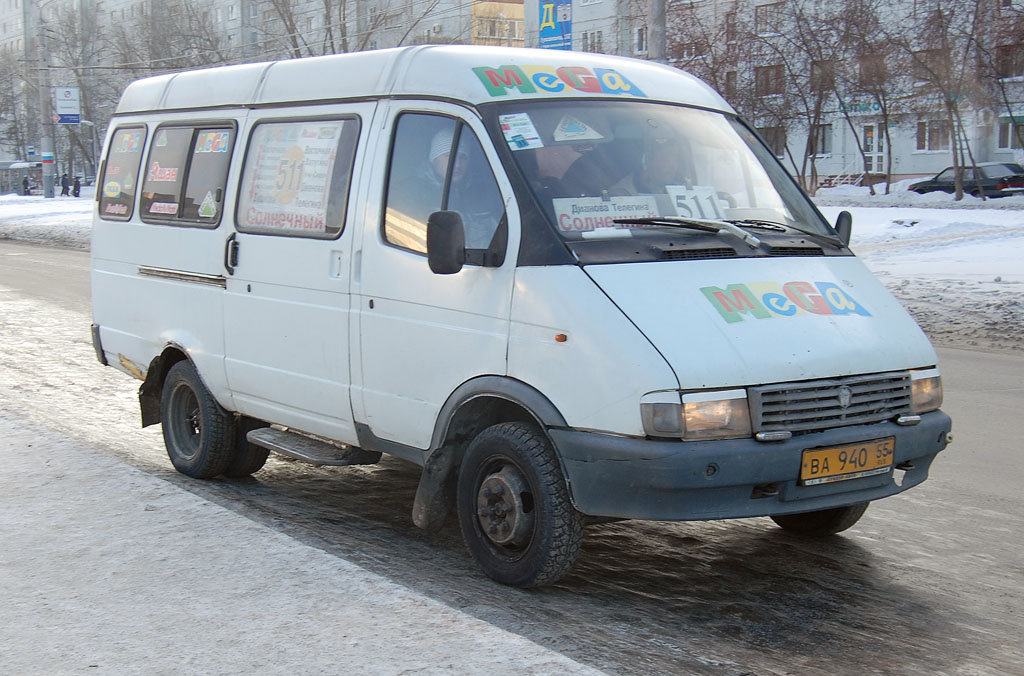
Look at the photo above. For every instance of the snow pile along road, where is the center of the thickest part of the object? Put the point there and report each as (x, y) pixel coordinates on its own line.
(957, 266)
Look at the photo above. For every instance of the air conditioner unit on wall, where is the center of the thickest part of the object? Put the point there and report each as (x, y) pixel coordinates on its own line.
(437, 28)
(986, 117)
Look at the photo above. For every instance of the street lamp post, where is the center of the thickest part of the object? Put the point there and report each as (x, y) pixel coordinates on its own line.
(45, 113)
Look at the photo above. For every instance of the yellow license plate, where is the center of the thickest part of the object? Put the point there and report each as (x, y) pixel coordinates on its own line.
(852, 461)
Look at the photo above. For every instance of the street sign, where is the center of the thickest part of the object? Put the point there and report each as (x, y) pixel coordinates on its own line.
(67, 105)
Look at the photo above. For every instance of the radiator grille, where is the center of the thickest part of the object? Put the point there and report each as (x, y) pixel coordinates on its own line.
(816, 405)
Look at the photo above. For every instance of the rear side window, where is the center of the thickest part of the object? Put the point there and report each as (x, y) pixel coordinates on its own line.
(185, 173)
(121, 173)
(296, 178)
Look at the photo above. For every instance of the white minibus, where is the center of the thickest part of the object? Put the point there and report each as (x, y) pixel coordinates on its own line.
(570, 287)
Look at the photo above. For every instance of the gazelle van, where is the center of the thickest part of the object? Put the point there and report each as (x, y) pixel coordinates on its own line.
(570, 287)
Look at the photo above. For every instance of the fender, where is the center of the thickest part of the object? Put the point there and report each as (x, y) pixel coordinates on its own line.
(487, 400)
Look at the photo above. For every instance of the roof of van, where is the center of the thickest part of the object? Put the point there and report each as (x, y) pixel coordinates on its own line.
(466, 73)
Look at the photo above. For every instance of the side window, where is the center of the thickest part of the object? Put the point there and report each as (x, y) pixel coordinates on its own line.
(296, 177)
(121, 173)
(424, 177)
(185, 175)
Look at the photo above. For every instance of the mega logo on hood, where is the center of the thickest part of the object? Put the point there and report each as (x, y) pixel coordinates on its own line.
(551, 79)
(764, 300)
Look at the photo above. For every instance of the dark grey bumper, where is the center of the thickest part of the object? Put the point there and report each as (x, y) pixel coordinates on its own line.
(680, 481)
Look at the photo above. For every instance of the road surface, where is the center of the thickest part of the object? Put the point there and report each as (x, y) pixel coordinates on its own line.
(929, 582)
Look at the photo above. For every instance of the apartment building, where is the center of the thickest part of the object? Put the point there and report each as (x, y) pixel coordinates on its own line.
(843, 90)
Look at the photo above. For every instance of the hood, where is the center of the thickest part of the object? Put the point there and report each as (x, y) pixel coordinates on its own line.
(750, 321)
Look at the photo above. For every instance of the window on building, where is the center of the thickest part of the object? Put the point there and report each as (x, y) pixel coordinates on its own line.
(1010, 135)
(768, 80)
(693, 50)
(775, 137)
(823, 75)
(871, 69)
(930, 64)
(297, 177)
(593, 41)
(933, 135)
(1009, 60)
(730, 84)
(730, 27)
(821, 139)
(641, 40)
(768, 18)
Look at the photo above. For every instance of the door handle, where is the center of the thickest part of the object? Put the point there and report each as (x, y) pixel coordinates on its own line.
(231, 253)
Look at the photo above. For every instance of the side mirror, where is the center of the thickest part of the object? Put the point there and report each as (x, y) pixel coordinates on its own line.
(446, 242)
(844, 226)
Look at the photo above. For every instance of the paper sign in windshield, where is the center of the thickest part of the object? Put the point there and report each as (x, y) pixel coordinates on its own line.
(700, 201)
(519, 131)
(572, 129)
(580, 214)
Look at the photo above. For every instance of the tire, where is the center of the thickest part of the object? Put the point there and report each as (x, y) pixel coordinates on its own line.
(514, 508)
(248, 459)
(198, 433)
(824, 522)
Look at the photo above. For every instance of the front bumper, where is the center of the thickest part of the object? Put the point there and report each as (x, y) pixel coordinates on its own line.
(682, 481)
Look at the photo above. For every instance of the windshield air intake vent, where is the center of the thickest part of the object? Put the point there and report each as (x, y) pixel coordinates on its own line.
(818, 405)
(797, 251)
(694, 254)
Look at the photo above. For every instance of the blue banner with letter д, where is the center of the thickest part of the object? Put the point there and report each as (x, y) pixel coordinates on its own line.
(556, 24)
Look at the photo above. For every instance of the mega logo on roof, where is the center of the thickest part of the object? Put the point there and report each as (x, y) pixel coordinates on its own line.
(538, 79)
(764, 300)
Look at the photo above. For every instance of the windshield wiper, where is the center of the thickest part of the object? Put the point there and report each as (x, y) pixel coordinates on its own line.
(758, 223)
(702, 224)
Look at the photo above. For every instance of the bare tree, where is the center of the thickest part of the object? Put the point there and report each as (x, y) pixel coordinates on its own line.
(939, 45)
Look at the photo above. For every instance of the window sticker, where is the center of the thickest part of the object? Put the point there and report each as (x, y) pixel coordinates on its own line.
(580, 214)
(572, 129)
(519, 131)
(116, 209)
(166, 208)
(213, 142)
(287, 181)
(208, 208)
(700, 201)
(158, 173)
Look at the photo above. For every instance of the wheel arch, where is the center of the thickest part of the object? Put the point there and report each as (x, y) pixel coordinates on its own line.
(472, 407)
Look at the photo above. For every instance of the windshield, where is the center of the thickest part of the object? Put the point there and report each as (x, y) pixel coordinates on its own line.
(591, 163)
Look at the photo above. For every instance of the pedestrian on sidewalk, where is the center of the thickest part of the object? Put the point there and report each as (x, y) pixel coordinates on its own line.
(65, 184)
(76, 187)
(24, 185)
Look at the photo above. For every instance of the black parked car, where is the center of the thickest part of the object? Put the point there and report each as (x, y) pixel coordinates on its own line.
(997, 179)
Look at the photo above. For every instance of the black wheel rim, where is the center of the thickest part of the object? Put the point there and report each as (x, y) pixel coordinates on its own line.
(505, 508)
(187, 422)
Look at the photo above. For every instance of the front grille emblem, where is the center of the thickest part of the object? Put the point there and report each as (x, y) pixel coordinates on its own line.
(845, 396)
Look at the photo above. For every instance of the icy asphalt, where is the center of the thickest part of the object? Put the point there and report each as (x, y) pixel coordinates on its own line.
(125, 585)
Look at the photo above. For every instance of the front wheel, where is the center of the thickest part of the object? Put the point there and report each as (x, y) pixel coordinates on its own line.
(821, 523)
(198, 433)
(514, 508)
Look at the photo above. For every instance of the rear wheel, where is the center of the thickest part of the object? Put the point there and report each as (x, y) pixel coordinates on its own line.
(824, 522)
(249, 459)
(198, 433)
(514, 508)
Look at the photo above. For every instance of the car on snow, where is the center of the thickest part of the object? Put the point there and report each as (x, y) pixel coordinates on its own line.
(995, 179)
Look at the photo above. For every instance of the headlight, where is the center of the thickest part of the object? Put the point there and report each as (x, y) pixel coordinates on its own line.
(925, 390)
(721, 414)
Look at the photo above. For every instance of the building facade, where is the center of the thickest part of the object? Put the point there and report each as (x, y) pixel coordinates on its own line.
(99, 46)
(844, 90)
